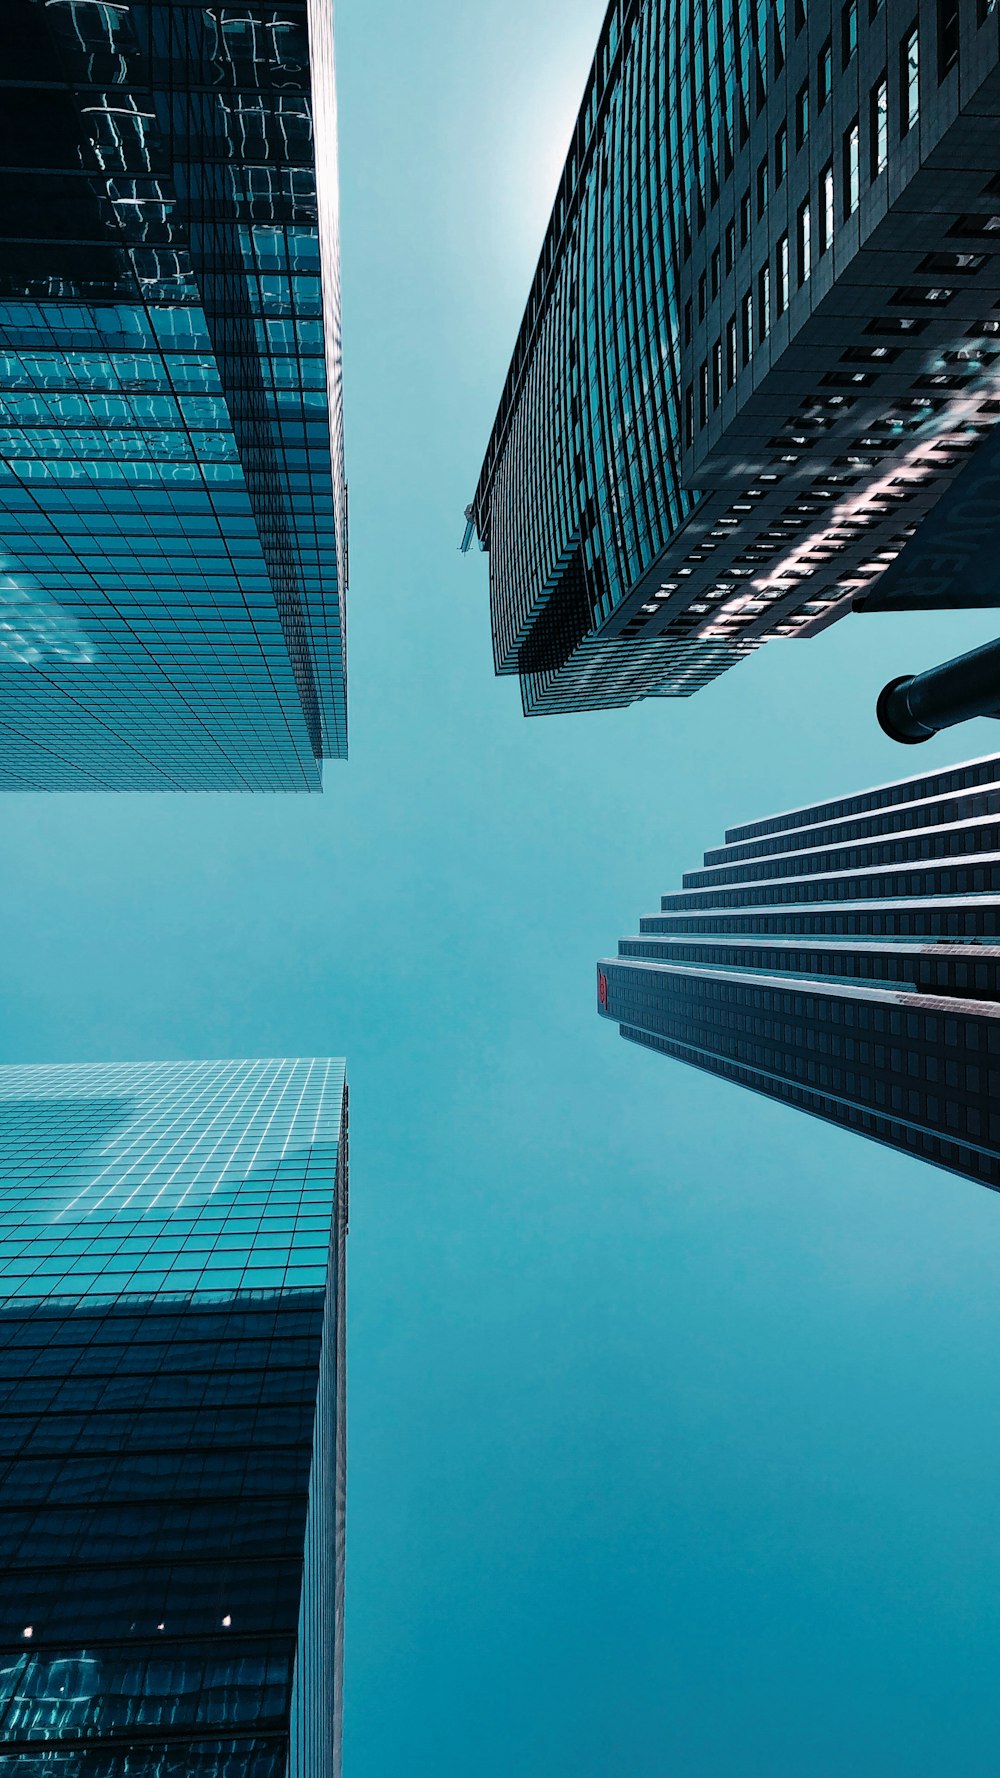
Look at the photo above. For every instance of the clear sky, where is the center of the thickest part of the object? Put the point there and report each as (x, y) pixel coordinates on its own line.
(674, 1426)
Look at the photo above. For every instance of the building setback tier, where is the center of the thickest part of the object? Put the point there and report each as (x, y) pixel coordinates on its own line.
(844, 958)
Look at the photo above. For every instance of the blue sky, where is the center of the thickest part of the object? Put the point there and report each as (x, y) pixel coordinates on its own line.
(674, 1421)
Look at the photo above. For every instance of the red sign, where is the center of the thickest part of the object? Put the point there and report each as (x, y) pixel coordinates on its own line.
(602, 988)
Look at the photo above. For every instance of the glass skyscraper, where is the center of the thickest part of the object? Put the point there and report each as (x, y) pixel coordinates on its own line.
(761, 343)
(172, 1455)
(844, 958)
(173, 510)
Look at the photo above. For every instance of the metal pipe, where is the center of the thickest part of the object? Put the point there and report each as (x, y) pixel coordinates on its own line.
(917, 706)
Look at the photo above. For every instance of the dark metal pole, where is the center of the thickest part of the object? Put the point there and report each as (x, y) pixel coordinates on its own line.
(917, 706)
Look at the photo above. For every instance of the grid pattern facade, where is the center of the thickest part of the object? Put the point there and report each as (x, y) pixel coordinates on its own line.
(761, 342)
(172, 1239)
(843, 958)
(172, 500)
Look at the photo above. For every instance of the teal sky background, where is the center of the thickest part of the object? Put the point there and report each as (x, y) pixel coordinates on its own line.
(674, 1430)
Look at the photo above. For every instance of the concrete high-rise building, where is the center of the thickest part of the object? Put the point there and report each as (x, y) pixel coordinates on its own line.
(844, 958)
(761, 343)
(173, 515)
(172, 1273)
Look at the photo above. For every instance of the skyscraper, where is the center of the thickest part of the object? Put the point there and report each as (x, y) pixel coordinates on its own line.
(844, 958)
(760, 344)
(172, 1266)
(173, 516)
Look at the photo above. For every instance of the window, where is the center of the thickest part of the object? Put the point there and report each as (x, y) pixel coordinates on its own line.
(763, 301)
(762, 188)
(849, 30)
(800, 16)
(879, 125)
(852, 168)
(717, 373)
(872, 354)
(898, 324)
(730, 245)
(804, 242)
(780, 156)
(689, 415)
(715, 274)
(966, 263)
(687, 322)
(745, 218)
(947, 36)
(824, 75)
(909, 80)
(847, 379)
(982, 227)
(782, 274)
(921, 296)
(703, 382)
(826, 211)
(701, 297)
(779, 36)
(802, 114)
(747, 341)
(732, 360)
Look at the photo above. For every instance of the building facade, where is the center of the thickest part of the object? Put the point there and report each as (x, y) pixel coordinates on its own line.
(845, 959)
(172, 1455)
(761, 342)
(173, 519)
